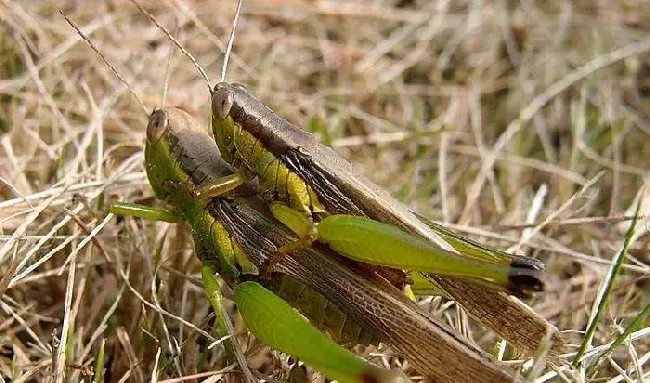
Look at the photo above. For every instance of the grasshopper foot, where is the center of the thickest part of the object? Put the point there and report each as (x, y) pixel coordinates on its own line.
(305, 241)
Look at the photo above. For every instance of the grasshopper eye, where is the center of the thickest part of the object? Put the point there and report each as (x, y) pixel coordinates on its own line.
(222, 100)
(157, 125)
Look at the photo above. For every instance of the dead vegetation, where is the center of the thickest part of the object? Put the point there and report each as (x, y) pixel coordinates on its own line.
(524, 125)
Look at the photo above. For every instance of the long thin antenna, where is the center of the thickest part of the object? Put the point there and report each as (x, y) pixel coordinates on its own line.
(168, 73)
(178, 44)
(104, 59)
(231, 40)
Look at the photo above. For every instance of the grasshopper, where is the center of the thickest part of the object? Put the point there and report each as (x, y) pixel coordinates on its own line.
(241, 242)
(306, 181)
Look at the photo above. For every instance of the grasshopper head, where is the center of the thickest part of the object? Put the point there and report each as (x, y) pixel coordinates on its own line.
(223, 126)
(175, 143)
(157, 153)
(222, 101)
(157, 126)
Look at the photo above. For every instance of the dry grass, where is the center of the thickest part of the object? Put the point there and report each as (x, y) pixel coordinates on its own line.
(523, 125)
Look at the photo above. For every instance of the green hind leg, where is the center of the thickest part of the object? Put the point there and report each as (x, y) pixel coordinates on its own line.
(376, 243)
(369, 241)
(277, 324)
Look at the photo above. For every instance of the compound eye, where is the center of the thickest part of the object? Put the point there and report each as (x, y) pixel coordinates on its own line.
(222, 101)
(157, 125)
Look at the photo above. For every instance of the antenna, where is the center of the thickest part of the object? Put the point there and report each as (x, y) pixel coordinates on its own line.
(176, 42)
(231, 40)
(168, 73)
(104, 59)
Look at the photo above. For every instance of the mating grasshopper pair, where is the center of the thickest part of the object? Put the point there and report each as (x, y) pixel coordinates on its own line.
(242, 244)
(321, 198)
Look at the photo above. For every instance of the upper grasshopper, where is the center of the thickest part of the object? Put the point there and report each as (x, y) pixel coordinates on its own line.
(307, 181)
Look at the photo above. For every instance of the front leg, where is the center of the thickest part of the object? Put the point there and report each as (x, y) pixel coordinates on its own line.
(297, 222)
(149, 213)
(218, 186)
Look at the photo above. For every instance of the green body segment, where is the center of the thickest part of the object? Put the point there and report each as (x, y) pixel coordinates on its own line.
(277, 182)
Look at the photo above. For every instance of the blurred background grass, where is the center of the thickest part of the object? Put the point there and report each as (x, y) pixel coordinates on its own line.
(521, 124)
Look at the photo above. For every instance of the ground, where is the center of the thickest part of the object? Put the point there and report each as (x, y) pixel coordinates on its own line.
(520, 124)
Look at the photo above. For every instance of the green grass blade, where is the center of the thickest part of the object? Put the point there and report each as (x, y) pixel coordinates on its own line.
(606, 287)
(98, 376)
(637, 324)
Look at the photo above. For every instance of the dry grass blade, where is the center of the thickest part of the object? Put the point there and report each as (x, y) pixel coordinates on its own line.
(176, 42)
(105, 60)
(543, 99)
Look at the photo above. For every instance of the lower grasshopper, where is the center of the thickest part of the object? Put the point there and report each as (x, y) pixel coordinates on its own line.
(241, 242)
